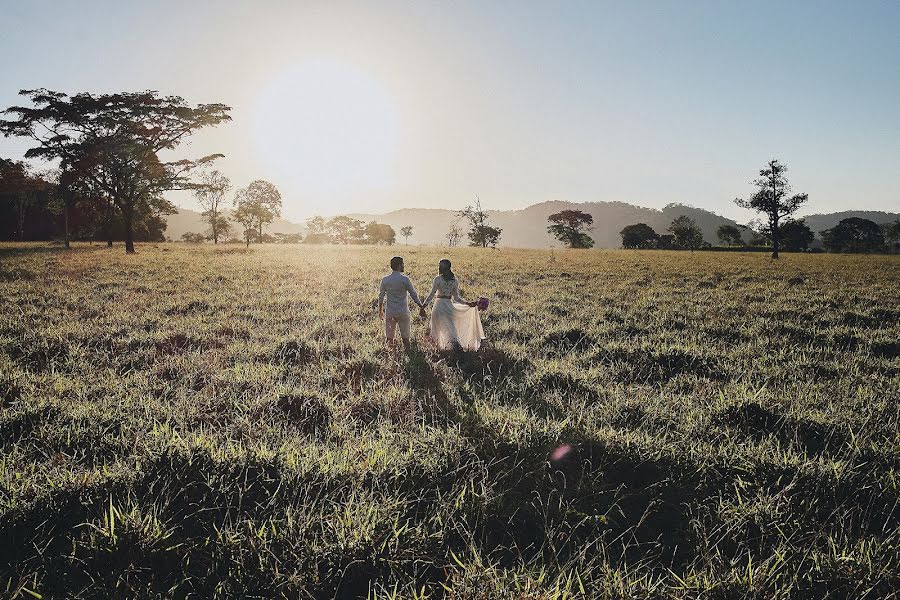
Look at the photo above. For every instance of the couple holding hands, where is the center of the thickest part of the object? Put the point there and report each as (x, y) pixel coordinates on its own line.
(455, 323)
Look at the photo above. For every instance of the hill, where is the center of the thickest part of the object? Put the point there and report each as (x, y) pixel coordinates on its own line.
(527, 227)
(820, 222)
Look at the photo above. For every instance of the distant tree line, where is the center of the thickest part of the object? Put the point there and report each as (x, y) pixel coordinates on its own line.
(347, 230)
(778, 231)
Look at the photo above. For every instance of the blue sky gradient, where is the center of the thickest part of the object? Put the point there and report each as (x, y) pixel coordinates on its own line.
(519, 102)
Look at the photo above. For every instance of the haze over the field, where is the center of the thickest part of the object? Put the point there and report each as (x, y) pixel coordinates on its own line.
(369, 107)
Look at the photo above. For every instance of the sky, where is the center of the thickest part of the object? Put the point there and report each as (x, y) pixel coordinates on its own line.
(375, 106)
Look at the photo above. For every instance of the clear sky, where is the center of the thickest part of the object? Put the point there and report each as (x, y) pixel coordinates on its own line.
(371, 106)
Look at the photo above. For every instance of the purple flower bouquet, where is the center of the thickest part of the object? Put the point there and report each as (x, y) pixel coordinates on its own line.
(483, 303)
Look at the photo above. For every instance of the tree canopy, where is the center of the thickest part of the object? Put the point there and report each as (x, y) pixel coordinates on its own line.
(480, 233)
(854, 235)
(796, 236)
(257, 204)
(639, 236)
(114, 142)
(730, 235)
(687, 234)
(568, 227)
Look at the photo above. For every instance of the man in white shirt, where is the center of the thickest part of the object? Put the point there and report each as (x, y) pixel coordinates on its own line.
(395, 288)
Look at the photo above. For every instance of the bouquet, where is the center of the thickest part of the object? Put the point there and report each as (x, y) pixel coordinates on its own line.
(482, 304)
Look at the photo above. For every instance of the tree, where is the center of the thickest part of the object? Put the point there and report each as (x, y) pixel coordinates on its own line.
(796, 236)
(193, 238)
(346, 230)
(854, 235)
(891, 232)
(730, 235)
(262, 200)
(288, 238)
(23, 188)
(773, 198)
(379, 233)
(687, 233)
(406, 231)
(639, 235)
(454, 235)
(480, 233)
(568, 227)
(114, 140)
(211, 196)
(246, 216)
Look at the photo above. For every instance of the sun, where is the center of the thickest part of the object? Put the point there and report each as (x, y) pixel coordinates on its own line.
(328, 129)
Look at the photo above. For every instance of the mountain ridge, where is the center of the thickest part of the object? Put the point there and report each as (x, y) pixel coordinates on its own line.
(527, 227)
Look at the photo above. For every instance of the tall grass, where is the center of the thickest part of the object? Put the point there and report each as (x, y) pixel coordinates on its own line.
(212, 422)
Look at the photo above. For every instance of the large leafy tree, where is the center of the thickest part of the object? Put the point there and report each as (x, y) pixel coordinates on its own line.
(687, 233)
(260, 199)
(380, 233)
(796, 236)
(854, 235)
(480, 233)
(115, 141)
(774, 200)
(639, 235)
(568, 227)
(730, 235)
(211, 197)
(346, 230)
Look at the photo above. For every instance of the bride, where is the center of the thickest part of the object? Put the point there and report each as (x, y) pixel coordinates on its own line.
(454, 322)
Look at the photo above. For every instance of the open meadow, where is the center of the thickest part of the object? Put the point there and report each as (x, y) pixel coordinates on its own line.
(213, 422)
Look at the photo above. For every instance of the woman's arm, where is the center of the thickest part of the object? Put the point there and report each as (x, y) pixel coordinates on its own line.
(457, 297)
(434, 287)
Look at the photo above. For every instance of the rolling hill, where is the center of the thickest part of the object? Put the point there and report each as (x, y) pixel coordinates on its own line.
(527, 227)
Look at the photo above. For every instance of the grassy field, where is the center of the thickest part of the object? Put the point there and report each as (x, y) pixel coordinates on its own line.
(213, 422)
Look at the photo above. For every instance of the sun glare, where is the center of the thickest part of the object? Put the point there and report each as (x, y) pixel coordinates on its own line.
(329, 128)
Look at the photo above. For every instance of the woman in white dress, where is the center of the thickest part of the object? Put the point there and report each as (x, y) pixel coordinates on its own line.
(454, 322)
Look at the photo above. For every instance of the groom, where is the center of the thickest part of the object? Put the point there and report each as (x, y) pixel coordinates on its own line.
(395, 287)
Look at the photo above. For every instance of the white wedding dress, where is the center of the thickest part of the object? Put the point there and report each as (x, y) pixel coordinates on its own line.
(453, 322)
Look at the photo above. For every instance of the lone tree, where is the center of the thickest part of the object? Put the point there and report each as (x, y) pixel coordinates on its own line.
(774, 200)
(454, 234)
(796, 236)
(246, 216)
(480, 233)
(639, 235)
(730, 235)
(854, 235)
(687, 233)
(114, 141)
(406, 231)
(260, 199)
(211, 196)
(568, 227)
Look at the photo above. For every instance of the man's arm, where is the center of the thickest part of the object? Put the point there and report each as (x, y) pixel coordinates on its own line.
(381, 293)
(412, 292)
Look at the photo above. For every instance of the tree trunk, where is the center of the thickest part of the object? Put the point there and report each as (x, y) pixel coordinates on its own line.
(776, 241)
(215, 222)
(129, 235)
